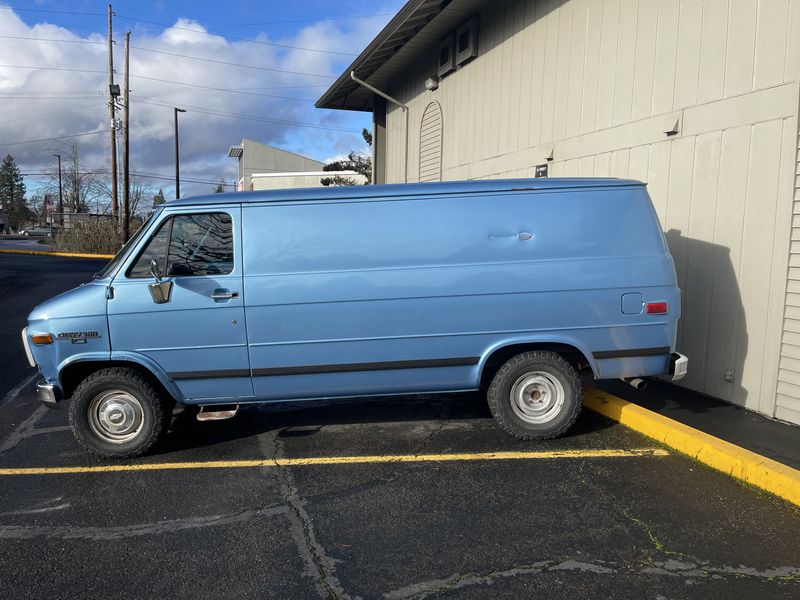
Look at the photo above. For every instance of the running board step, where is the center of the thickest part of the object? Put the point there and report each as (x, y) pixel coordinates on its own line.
(217, 413)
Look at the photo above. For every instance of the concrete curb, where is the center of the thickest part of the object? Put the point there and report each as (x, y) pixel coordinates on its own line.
(718, 454)
(64, 254)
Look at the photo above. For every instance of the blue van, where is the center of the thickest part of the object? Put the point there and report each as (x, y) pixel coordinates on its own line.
(509, 286)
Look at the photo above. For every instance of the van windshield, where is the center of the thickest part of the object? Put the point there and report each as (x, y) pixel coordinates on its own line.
(109, 268)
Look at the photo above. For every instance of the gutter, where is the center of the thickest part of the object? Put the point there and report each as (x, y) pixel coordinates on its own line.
(394, 101)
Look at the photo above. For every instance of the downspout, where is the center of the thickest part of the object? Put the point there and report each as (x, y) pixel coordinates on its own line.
(375, 90)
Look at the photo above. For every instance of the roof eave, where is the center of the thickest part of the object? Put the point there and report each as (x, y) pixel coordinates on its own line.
(327, 99)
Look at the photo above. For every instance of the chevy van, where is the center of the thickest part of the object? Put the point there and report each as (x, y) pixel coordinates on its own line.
(507, 286)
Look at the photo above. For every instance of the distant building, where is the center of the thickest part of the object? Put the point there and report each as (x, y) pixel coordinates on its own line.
(299, 179)
(257, 161)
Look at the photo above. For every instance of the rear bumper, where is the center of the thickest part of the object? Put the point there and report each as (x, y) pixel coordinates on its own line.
(678, 366)
(47, 394)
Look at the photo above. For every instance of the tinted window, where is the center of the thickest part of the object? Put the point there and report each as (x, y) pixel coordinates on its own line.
(156, 248)
(189, 245)
(201, 245)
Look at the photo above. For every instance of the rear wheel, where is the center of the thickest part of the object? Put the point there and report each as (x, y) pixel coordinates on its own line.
(535, 396)
(118, 413)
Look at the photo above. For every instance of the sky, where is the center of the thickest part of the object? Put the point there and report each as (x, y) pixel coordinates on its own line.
(240, 68)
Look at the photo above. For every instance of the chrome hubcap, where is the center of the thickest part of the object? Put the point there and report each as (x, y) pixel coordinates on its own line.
(115, 416)
(537, 397)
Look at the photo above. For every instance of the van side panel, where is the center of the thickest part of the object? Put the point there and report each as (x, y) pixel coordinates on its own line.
(363, 297)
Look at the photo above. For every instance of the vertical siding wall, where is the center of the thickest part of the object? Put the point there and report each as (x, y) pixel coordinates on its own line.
(596, 83)
(788, 400)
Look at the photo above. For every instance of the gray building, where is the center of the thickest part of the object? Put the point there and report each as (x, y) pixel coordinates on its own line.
(698, 99)
(255, 158)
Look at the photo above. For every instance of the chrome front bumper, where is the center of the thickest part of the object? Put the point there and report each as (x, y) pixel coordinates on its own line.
(678, 366)
(47, 394)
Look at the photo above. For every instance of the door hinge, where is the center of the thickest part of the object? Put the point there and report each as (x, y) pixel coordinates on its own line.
(109, 293)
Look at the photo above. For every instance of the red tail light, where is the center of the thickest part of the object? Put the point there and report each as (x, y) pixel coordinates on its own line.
(656, 308)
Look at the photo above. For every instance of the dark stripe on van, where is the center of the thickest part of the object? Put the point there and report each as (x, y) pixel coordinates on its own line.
(631, 353)
(211, 374)
(367, 366)
(319, 369)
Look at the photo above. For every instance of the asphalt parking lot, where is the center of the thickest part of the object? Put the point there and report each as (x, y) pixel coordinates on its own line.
(377, 498)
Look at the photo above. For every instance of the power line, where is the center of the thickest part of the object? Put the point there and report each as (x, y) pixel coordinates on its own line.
(38, 39)
(230, 64)
(93, 42)
(321, 19)
(229, 37)
(217, 89)
(209, 60)
(245, 117)
(58, 112)
(53, 12)
(53, 139)
(53, 69)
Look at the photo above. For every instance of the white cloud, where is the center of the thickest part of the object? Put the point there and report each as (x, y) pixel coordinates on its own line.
(47, 103)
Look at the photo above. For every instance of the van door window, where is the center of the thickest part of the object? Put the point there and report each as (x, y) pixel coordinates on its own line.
(190, 245)
(201, 245)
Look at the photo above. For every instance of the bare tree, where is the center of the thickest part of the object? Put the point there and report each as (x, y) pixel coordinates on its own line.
(83, 187)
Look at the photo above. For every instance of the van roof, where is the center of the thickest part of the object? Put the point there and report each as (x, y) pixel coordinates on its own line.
(405, 189)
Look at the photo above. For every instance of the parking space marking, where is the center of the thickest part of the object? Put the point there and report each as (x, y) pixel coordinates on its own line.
(341, 460)
(20, 386)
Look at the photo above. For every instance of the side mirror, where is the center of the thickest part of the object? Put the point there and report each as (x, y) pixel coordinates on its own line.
(155, 270)
(160, 291)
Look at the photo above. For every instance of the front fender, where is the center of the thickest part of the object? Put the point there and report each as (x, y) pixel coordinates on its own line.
(152, 366)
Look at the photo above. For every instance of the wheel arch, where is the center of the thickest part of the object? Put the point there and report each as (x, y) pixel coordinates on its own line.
(71, 374)
(571, 350)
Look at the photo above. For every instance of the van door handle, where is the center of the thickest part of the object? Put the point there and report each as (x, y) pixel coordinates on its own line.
(221, 294)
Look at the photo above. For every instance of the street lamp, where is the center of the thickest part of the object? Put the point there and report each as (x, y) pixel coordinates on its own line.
(60, 193)
(177, 155)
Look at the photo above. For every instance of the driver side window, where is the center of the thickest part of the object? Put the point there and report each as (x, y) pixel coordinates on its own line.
(189, 245)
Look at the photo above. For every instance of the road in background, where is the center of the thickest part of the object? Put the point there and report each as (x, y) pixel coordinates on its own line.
(24, 244)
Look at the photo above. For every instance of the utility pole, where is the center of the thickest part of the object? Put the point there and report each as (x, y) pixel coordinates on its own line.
(126, 184)
(113, 117)
(60, 193)
(177, 155)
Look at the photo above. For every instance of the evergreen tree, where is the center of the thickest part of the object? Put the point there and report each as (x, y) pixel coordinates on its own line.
(12, 193)
(158, 198)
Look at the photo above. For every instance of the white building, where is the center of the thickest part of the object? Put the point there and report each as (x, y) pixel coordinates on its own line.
(260, 159)
(697, 98)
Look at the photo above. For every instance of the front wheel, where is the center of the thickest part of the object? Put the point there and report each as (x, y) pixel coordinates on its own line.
(535, 396)
(118, 413)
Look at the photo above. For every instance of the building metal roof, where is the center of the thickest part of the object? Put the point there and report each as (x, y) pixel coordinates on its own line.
(407, 38)
(380, 192)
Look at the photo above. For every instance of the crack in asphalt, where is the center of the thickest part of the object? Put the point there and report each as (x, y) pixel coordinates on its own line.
(67, 532)
(319, 565)
(672, 568)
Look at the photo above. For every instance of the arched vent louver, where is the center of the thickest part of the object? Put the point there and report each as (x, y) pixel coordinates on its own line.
(430, 144)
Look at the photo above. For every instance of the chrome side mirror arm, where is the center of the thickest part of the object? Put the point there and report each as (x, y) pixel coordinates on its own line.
(161, 290)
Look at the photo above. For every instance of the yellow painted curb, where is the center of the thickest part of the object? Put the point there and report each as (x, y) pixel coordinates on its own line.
(44, 253)
(718, 454)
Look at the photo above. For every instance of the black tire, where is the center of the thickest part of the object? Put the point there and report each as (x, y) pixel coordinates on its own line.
(153, 414)
(26, 234)
(550, 368)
